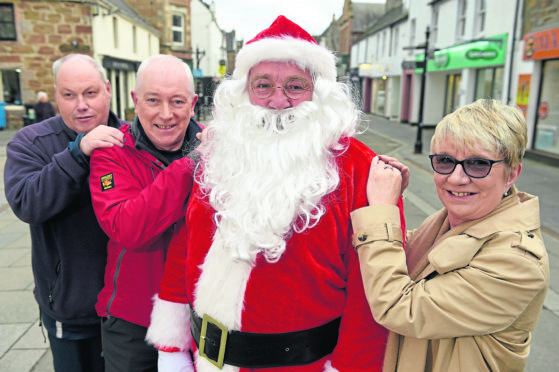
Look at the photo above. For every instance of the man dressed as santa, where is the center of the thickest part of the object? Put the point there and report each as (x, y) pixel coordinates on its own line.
(264, 276)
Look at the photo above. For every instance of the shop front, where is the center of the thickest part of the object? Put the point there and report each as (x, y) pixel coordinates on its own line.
(122, 75)
(543, 48)
(464, 73)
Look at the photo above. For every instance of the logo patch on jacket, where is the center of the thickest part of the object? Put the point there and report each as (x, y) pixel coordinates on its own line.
(107, 182)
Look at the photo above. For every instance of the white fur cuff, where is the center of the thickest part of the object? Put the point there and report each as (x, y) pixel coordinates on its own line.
(170, 325)
(328, 367)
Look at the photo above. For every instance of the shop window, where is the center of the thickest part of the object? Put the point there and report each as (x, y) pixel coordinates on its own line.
(11, 87)
(7, 22)
(452, 96)
(489, 83)
(178, 28)
(546, 137)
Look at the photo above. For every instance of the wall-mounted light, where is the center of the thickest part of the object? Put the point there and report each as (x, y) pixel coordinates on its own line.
(75, 44)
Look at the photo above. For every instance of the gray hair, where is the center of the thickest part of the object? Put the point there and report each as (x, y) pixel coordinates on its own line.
(59, 62)
(156, 57)
(41, 95)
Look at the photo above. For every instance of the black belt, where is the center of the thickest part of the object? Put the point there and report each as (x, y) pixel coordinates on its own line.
(261, 350)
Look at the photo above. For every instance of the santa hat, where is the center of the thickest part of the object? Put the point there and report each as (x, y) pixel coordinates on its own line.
(286, 41)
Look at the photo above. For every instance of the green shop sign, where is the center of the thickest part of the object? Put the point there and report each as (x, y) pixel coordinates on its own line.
(489, 51)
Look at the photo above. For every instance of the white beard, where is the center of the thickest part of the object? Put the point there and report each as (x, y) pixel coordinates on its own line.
(266, 172)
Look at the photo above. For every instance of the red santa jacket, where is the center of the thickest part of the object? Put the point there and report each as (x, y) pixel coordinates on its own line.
(316, 280)
(140, 205)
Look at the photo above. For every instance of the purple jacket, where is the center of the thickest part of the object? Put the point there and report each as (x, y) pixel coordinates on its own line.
(47, 188)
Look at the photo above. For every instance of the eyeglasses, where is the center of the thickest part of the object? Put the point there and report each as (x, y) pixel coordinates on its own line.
(473, 167)
(293, 89)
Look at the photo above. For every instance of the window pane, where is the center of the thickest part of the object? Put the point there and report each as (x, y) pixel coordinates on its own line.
(10, 84)
(177, 20)
(177, 37)
(483, 83)
(7, 23)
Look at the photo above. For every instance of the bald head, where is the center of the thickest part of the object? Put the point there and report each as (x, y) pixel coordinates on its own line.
(75, 58)
(162, 63)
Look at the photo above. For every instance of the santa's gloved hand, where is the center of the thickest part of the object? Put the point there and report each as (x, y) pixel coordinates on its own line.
(179, 361)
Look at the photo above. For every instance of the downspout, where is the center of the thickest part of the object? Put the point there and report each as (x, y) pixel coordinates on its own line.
(512, 50)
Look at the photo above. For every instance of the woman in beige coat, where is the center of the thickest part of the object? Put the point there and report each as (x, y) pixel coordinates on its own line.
(469, 288)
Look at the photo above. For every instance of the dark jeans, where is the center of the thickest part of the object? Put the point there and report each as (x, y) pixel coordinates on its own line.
(78, 349)
(125, 348)
(76, 355)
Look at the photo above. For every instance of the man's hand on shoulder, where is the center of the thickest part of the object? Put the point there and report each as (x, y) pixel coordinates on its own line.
(101, 136)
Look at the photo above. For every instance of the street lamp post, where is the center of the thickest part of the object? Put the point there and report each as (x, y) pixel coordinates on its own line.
(419, 140)
(199, 56)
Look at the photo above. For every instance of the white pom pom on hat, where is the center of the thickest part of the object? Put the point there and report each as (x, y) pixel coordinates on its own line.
(285, 41)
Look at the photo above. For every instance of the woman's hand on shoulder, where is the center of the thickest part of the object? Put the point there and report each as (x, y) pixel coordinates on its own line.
(388, 179)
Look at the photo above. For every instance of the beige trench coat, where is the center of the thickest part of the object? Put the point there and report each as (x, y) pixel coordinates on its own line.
(473, 295)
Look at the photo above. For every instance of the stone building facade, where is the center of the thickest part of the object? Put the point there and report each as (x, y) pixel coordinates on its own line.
(43, 32)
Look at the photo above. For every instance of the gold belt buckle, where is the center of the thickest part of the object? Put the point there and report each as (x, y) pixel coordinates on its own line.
(223, 340)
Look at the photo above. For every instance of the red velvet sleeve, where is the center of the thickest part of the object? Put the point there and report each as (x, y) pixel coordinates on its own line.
(362, 341)
(173, 284)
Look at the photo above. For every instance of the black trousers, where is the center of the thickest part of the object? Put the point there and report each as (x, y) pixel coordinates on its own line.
(76, 355)
(125, 348)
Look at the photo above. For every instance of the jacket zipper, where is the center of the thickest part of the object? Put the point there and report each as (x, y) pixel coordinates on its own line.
(115, 279)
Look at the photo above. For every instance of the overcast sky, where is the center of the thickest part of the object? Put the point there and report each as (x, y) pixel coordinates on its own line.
(249, 17)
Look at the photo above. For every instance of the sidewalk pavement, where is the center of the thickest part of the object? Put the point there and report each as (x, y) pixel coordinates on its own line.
(23, 348)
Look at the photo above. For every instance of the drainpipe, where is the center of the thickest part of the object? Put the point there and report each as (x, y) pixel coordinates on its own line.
(512, 49)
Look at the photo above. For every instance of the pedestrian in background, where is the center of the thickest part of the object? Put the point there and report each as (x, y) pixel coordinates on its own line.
(468, 291)
(46, 184)
(43, 108)
(140, 194)
(265, 257)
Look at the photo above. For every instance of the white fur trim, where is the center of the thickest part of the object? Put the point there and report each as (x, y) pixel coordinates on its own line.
(318, 60)
(170, 325)
(328, 367)
(220, 293)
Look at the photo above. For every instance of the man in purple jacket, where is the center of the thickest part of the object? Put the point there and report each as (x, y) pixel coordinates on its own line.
(46, 184)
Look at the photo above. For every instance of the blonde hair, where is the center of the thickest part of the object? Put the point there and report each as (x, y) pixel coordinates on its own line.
(488, 124)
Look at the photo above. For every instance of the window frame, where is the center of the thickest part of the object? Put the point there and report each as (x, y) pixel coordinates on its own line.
(481, 16)
(461, 18)
(8, 7)
(178, 30)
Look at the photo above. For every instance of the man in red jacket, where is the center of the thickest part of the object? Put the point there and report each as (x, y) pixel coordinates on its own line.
(139, 194)
(263, 275)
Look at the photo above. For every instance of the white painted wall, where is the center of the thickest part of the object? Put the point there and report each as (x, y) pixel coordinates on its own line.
(147, 42)
(113, 36)
(207, 37)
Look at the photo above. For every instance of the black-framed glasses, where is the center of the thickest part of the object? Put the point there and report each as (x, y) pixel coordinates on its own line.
(473, 167)
(293, 89)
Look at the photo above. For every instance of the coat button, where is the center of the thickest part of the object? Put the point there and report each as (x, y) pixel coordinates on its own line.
(530, 235)
(362, 237)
